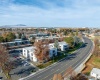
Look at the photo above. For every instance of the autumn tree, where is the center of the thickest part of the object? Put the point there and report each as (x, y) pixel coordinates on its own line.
(4, 61)
(8, 36)
(71, 74)
(70, 71)
(79, 77)
(41, 51)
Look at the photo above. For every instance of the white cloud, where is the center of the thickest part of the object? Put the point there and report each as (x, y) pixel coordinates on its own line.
(81, 12)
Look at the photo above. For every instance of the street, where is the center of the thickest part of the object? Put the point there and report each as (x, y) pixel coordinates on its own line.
(63, 65)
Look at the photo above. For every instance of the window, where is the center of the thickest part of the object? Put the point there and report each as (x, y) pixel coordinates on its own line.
(24, 50)
(27, 51)
(31, 54)
(31, 58)
(53, 51)
(60, 46)
(24, 54)
(65, 46)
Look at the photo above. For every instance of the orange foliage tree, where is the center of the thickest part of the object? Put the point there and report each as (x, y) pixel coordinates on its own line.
(42, 50)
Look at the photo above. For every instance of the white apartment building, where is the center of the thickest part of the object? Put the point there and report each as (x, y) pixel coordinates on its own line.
(28, 52)
(63, 46)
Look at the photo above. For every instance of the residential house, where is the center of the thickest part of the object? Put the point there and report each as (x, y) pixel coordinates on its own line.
(95, 73)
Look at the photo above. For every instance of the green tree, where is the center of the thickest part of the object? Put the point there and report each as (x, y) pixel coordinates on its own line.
(56, 44)
(70, 41)
(1, 39)
(19, 35)
(10, 36)
(76, 40)
(23, 37)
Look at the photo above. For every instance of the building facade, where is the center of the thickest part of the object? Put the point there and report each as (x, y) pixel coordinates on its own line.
(28, 52)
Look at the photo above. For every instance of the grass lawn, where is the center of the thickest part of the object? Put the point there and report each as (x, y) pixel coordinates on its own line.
(75, 48)
(61, 55)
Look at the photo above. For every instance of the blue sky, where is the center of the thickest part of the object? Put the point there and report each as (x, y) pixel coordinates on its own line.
(50, 13)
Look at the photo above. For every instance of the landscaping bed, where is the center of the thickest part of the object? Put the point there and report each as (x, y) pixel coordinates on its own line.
(61, 55)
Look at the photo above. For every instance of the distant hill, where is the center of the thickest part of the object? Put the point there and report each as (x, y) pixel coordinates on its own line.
(11, 26)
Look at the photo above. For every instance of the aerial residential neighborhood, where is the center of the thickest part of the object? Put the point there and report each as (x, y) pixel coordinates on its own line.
(30, 54)
(49, 40)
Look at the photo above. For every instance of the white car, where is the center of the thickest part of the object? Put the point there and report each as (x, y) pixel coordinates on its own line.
(26, 64)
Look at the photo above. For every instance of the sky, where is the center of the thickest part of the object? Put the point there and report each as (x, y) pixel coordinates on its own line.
(50, 13)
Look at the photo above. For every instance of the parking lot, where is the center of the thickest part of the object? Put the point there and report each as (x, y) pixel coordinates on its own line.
(21, 67)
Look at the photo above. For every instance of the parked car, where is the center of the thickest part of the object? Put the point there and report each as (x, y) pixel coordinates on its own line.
(26, 64)
(1, 78)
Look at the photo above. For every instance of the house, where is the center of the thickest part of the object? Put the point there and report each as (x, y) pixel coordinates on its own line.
(63, 46)
(28, 52)
(95, 73)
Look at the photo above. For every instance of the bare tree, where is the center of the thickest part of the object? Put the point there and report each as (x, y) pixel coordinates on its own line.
(4, 58)
(41, 51)
(70, 72)
(73, 76)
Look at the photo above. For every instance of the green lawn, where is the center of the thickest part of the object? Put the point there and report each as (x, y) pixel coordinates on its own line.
(61, 55)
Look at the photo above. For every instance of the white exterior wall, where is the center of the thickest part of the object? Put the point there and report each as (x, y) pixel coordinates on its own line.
(29, 54)
(61, 46)
(33, 57)
(52, 51)
(95, 75)
(24, 52)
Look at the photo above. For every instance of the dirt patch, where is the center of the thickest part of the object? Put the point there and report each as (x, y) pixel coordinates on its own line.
(91, 63)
